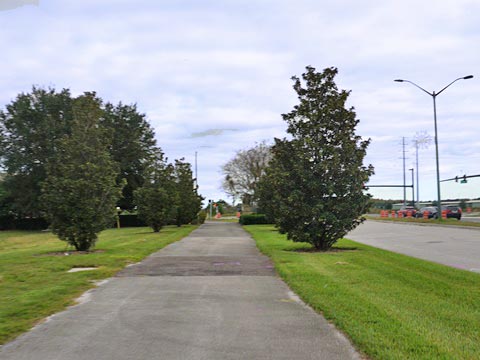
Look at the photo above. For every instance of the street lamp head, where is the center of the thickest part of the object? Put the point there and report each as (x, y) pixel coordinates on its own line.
(468, 77)
(399, 80)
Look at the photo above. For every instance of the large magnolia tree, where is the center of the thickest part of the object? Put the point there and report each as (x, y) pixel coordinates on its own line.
(314, 184)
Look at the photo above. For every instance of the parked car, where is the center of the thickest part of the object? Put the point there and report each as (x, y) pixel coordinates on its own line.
(405, 209)
(452, 212)
(431, 210)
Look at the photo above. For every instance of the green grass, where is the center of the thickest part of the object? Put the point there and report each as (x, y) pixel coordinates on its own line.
(452, 222)
(390, 305)
(35, 284)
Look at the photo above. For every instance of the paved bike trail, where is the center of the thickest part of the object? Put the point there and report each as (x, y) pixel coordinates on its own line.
(209, 296)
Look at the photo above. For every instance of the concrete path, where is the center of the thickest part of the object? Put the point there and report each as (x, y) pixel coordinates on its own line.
(210, 296)
(453, 246)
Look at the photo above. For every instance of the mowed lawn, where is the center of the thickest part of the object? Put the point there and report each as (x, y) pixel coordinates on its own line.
(34, 282)
(390, 305)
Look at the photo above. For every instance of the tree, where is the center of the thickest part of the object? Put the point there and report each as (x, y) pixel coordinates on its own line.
(80, 191)
(157, 199)
(315, 180)
(242, 173)
(189, 202)
(133, 147)
(30, 126)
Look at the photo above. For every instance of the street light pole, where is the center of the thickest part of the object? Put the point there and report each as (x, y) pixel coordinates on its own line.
(439, 205)
(434, 96)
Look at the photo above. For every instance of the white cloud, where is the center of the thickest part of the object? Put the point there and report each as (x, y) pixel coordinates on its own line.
(194, 66)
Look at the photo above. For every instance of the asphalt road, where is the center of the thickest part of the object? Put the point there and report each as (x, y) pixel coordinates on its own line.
(470, 218)
(210, 296)
(453, 246)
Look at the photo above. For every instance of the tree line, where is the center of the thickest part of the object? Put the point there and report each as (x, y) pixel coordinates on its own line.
(310, 185)
(74, 160)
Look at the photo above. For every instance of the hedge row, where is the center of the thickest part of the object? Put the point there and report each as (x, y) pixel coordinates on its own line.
(254, 219)
(130, 220)
(9, 222)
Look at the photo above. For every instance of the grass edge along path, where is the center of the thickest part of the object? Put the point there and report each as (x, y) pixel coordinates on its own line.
(390, 305)
(34, 282)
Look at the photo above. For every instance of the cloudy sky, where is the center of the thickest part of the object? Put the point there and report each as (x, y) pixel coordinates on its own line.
(213, 77)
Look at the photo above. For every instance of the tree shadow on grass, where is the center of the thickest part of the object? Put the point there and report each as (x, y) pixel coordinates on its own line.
(333, 249)
(71, 252)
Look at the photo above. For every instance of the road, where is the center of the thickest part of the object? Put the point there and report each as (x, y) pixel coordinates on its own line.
(467, 218)
(470, 218)
(453, 246)
(209, 296)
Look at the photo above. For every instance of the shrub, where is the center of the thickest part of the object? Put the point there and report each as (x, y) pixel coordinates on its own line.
(202, 215)
(200, 219)
(254, 219)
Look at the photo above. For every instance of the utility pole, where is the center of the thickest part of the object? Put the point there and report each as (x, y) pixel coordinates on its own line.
(413, 187)
(421, 141)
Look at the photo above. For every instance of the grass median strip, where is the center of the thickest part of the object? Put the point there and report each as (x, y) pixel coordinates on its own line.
(34, 278)
(390, 305)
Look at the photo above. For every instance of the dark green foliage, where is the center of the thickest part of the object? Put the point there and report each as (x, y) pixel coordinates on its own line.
(200, 219)
(7, 222)
(188, 201)
(314, 184)
(253, 219)
(80, 191)
(10, 222)
(130, 220)
(154, 206)
(30, 126)
(169, 195)
(133, 147)
(5, 201)
(202, 215)
(157, 199)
